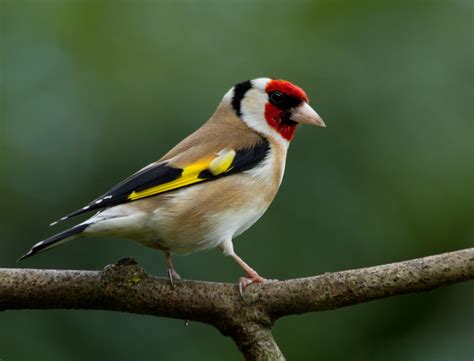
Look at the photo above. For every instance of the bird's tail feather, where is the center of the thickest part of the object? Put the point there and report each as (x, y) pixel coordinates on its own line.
(56, 240)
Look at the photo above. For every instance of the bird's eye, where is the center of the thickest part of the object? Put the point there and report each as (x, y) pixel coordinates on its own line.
(276, 97)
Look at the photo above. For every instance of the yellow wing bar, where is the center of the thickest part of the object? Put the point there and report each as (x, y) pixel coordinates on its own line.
(190, 175)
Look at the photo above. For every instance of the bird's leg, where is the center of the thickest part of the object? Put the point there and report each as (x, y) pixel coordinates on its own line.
(252, 276)
(172, 274)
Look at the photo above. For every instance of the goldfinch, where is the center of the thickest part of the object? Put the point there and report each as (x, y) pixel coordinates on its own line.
(212, 186)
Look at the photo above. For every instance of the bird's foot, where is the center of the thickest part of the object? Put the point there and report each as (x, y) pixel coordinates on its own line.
(173, 275)
(253, 277)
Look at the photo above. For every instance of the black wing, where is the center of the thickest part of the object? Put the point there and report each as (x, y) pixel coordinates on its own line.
(162, 177)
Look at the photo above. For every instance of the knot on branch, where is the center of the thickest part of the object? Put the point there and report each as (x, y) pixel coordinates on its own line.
(125, 271)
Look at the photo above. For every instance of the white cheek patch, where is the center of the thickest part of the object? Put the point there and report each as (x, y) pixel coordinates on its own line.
(253, 103)
(253, 114)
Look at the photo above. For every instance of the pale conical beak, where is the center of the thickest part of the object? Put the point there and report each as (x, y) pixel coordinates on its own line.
(304, 114)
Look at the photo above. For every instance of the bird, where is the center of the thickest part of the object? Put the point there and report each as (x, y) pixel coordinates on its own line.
(211, 187)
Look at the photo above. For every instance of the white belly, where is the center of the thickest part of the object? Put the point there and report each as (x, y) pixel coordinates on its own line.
(207, 227)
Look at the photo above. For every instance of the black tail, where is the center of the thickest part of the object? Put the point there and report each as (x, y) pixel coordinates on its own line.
(56, 240)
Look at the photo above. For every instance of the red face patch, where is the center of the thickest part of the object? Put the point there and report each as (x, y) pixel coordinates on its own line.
(274, 117)
(278, 115)
(286, 88)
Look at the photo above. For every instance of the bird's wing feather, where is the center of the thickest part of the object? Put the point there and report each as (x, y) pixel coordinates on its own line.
(167, 176)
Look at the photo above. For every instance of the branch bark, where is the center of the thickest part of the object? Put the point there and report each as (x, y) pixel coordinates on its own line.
(126, 287)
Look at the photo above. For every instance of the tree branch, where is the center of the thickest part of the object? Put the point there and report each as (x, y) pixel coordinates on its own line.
(125, 287)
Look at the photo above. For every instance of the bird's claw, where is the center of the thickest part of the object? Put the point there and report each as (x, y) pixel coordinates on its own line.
(172, 274)
(245, 281)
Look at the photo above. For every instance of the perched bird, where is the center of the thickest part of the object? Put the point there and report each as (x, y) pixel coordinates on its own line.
(209, 188)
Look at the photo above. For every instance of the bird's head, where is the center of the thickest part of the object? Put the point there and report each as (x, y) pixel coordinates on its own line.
(272, 107)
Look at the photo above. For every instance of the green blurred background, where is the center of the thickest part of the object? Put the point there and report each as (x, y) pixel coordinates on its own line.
(92, 91)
